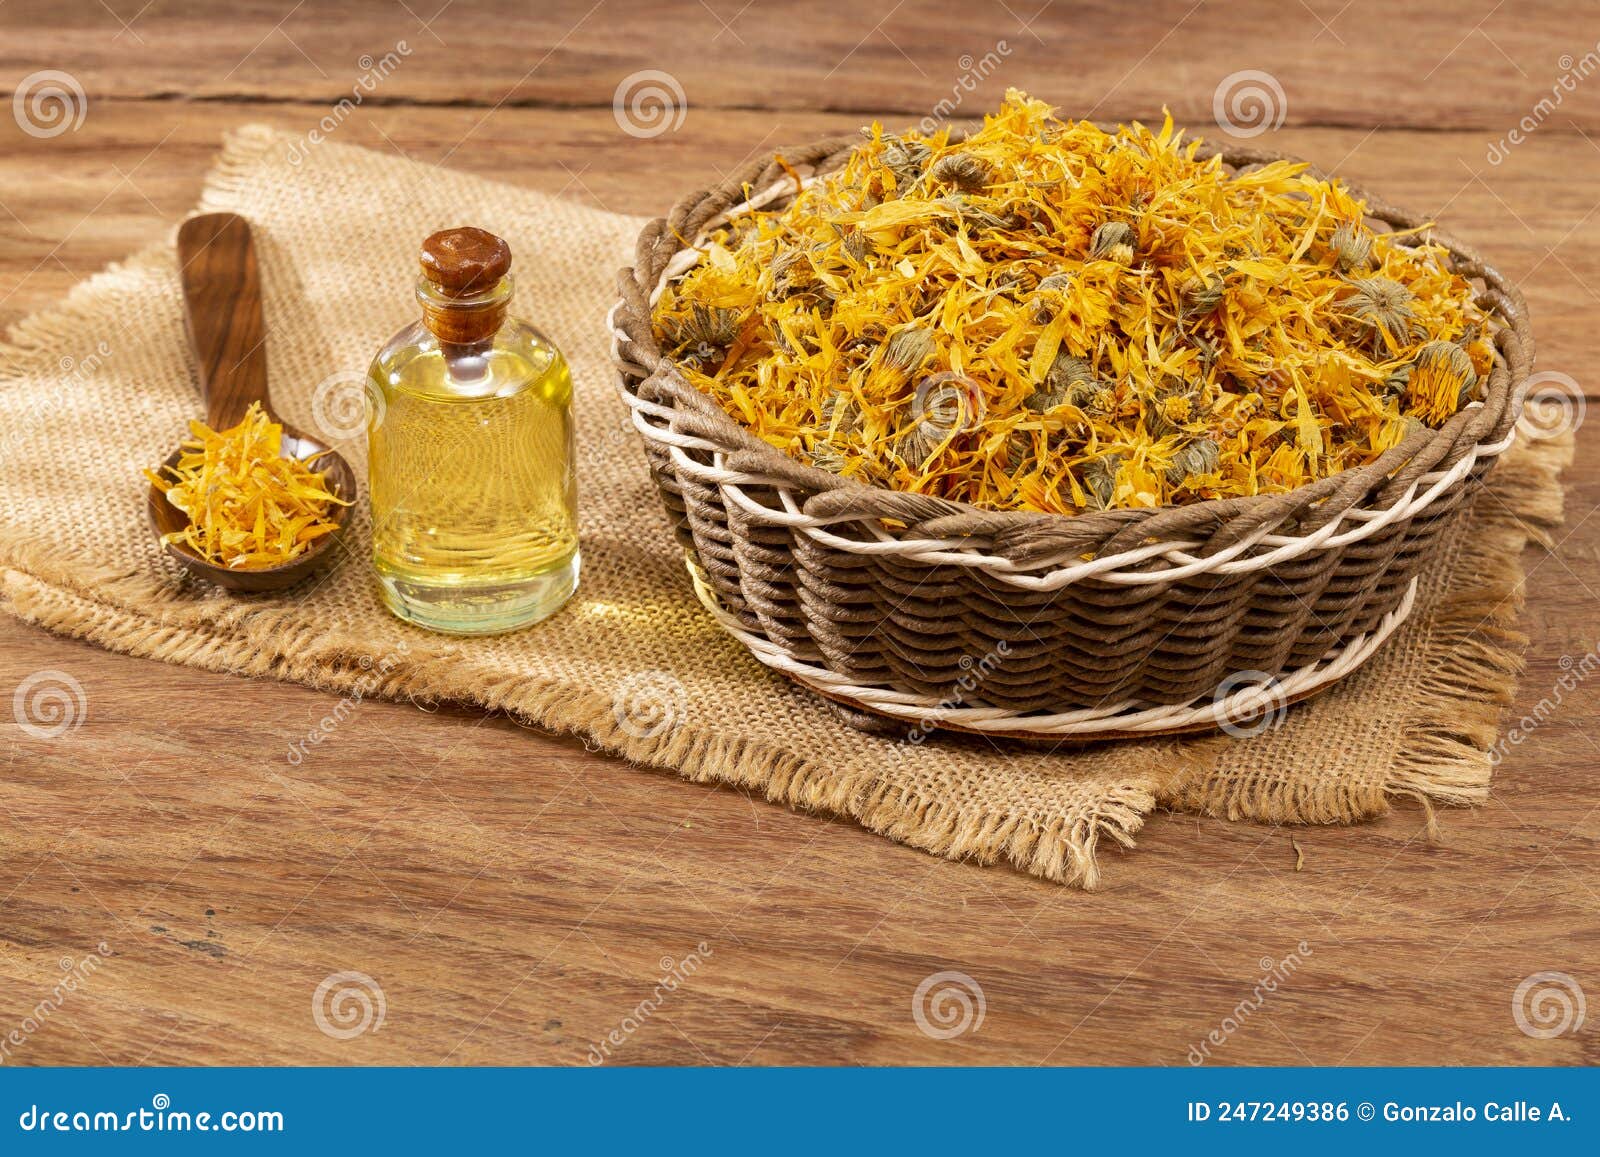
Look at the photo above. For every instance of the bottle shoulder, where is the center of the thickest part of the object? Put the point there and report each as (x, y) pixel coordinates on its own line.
(517, 357)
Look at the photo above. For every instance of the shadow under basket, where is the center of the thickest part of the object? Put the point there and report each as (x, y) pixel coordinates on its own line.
(913, 613)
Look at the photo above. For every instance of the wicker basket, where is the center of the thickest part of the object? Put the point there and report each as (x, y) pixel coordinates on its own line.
(936, 614)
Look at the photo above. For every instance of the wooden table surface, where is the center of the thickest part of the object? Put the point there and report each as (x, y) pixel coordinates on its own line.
(517, 898)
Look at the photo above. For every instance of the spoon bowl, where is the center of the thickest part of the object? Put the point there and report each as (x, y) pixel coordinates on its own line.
(222, 299)
(166, 519)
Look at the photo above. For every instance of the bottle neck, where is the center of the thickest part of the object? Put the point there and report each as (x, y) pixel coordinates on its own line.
(464, 319)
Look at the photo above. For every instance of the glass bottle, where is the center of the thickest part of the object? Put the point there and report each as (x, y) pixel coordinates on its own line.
(470, 452)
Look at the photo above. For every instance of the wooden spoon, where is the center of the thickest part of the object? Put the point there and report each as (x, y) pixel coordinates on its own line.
(222, 299)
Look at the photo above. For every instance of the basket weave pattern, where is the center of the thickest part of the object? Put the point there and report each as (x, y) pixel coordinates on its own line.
(895, 599)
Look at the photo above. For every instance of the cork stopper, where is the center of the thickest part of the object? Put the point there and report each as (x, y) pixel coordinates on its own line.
(465, 287)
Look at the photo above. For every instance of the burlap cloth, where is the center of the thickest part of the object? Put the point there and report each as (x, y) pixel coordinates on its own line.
(100, 387)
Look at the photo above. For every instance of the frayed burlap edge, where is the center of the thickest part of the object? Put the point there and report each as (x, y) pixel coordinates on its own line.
(1472, 659)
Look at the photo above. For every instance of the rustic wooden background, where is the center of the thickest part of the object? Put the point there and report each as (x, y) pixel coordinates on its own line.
(515, 896)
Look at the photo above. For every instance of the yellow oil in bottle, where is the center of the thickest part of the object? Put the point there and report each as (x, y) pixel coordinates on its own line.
(474, 502)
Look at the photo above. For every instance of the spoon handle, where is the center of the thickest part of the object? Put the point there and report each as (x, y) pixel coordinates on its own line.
(222, 299)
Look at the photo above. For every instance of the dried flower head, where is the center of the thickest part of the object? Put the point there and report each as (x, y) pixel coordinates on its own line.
(1441, 380)
(792, 272)
(963, 170)
(1014, 280)
(705, 325)
(1201, 295)
(918, 443)
(976, 217)
(905, 159)
(904, 352)
(1382, 308)
(827, 455)
(1058, 387)
(1178, 408)
(857, 245)
(1100, 480)
(1394, 385)
(1351, 246)
(1048, 296)
(1112, 241)
(1202, 456)
(1066, 369)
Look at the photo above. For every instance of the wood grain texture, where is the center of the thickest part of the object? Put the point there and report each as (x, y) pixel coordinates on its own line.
(1475, 64)
(515, 895)
(222, 297)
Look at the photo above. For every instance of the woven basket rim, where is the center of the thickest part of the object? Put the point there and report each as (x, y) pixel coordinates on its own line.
(1221, 520)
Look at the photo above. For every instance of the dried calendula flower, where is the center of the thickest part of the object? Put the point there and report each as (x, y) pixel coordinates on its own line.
(704, 325)
(905, 352)
(1022, 451)
(1202, 456)
(1440, 381)
(919, 442)
(1070, 381)
(1179, 408)
(792, 272)
(1394, 385)
(1112, 241)
(973, 216)
(826, 455)
(857, 245)
(1201, 295)
(963, 170)
(1351, 246)
(1382, 307)
(249, 507)
(1100, 479)
(1249, 335)
(905, 159)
